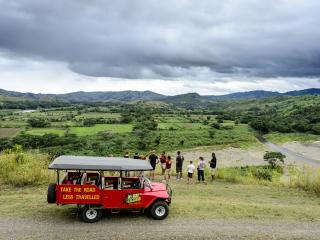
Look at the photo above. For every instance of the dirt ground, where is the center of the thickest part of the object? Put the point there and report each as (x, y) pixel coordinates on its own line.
(140, 227)
(229, 156)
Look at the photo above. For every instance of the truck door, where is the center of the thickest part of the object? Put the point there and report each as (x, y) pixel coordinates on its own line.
(132, 198)
(112, 194)
(131, 193)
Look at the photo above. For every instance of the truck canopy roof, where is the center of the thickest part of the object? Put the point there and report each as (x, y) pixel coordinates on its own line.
(99, 163)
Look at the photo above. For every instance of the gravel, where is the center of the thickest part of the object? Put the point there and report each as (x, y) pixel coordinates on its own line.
(141, 227)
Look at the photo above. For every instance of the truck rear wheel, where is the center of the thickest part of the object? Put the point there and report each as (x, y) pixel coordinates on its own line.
(51, 195)
(90, 214)
(159, 210)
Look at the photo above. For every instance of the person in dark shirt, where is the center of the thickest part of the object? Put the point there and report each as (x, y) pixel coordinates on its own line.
(126, 155)
(153, 159)
(179, 165)
(213, 166)
(136, 156)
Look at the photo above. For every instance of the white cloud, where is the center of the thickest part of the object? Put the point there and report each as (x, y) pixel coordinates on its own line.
(28, 75)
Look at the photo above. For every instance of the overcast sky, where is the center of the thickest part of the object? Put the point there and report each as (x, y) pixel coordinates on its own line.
(170, 47)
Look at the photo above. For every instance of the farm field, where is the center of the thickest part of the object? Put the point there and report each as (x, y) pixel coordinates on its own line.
(115, 128)
(42, 131)
(8, 132)
(181, 126)
(107, 128)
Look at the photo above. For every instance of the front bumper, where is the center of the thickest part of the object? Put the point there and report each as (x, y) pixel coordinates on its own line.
(169, 191)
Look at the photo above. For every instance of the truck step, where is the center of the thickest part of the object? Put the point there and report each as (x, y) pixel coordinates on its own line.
(115, 211)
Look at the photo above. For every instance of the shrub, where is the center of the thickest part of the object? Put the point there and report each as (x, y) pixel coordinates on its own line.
(249, 175)
(262, 174)
(38, 123)
(215, 125)
(211, 133)
(33, 170)
(306, 179)
(274, 158)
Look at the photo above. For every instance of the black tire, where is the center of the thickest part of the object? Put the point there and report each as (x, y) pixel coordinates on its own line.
(51, 195)
(159, 210)
(90, 214)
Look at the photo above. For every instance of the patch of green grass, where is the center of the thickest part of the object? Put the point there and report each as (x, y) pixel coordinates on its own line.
(116, 128)
(13, 123)
(251, 175)
(280, 138)
(42, 131)
(227, 200)
(217, 200)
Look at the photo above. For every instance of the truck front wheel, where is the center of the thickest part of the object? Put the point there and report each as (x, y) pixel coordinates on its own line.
(159, 210)
(90, 214)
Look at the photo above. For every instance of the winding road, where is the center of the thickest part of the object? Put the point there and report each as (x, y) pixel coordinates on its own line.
(289, 153)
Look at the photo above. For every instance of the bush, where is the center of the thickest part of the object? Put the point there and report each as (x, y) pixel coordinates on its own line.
(263, 174)
(38, 123)
(33, 170)
(215, 125)
(249, 175)
(274, 158)
(306, 179)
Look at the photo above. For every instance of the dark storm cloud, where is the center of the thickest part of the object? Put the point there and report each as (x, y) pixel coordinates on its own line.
(167, 39)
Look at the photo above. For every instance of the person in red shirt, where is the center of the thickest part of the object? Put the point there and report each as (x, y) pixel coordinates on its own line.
(163, 160)
(168, 168)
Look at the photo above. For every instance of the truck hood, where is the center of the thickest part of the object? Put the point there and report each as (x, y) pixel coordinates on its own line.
(158, 187)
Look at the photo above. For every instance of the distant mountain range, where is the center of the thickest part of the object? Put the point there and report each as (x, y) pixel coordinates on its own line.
(148, 95)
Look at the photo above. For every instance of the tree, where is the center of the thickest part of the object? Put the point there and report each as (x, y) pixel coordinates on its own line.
(274, 158)
(126, 118)
(38, 123)
(215, 125)
(260, 125)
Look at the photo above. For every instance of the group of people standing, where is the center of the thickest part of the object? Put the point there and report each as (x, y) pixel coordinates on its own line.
(201, 167)
(166, 166)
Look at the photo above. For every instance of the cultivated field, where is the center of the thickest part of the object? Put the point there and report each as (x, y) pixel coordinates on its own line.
(8, 132)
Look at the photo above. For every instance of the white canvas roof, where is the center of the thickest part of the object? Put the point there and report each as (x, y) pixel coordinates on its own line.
(99, 163)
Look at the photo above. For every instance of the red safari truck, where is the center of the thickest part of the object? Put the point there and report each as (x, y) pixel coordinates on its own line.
(97, 183)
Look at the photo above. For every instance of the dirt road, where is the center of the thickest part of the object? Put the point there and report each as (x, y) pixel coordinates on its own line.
(297, 153)
(140, 227)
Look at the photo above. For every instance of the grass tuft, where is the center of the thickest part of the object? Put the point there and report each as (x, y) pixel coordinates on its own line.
(22, 169)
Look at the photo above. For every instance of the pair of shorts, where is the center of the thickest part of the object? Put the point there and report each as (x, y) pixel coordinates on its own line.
(213, 171)
(163, 166)
(168, 171)
(190, 175)
(178, 169)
